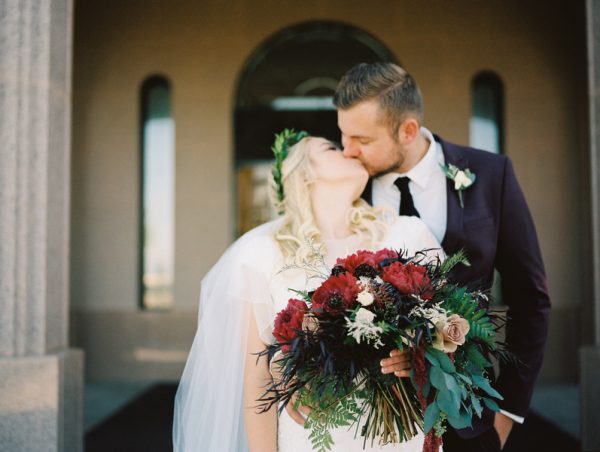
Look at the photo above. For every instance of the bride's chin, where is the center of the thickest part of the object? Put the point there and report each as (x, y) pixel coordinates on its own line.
(360, 186)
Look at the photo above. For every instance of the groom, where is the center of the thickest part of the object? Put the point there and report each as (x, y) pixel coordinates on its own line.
(380, 115)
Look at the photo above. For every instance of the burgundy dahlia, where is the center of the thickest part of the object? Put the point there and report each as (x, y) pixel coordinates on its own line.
(336, 295)
(288, 322)
(409, 279)
(358, 259)
(385, 254)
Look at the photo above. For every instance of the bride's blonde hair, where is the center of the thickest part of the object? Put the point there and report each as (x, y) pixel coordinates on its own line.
(298, 236)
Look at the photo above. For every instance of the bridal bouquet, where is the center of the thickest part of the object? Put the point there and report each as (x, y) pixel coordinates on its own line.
(330, 342)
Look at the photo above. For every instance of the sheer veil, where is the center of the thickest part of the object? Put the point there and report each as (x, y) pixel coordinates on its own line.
(209, 412)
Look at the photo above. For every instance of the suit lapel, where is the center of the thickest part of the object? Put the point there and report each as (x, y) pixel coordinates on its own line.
(454, 224)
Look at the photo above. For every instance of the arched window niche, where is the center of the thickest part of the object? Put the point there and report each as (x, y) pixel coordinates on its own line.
(486, 129)
(157, 194)
(289, 82)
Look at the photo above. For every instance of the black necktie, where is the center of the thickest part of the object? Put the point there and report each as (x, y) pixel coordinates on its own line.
(407, 206)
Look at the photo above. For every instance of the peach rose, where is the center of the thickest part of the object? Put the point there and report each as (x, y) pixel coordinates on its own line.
(451, 333)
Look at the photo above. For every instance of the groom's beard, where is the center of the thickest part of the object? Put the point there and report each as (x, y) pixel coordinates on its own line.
(392, 167)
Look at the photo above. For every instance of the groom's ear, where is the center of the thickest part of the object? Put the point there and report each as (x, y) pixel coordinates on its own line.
(408, 131)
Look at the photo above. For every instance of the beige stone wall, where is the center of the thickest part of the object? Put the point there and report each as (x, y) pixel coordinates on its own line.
(202, 46)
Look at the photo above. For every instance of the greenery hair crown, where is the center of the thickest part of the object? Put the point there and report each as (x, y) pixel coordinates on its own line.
(281, 147)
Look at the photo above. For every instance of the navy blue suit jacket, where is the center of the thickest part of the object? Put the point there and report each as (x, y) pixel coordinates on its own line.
(496, 230)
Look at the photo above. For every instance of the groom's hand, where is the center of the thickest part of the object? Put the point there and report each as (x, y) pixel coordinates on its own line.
(298, 415)
(398, 363)
(503, 425)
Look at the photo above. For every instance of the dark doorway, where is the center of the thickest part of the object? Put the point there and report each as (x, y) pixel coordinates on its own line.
(288, 82)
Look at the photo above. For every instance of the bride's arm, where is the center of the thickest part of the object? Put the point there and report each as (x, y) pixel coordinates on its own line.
(261, 428)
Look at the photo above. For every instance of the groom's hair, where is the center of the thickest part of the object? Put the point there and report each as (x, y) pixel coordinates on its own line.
(396, 91)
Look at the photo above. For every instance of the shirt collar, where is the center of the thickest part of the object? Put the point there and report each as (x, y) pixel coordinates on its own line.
(421, 172)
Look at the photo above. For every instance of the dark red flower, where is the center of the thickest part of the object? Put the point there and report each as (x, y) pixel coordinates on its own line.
(408, 279)
(335, 295)
(362, 257)
(384, 254)
(288, 322)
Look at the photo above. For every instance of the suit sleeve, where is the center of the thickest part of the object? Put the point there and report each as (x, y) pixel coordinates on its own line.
(524, 290)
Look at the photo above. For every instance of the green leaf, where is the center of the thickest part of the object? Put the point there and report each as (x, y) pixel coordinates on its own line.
(464, 378)
(432, 358)
(450, 262)
(431, 415)
(427, 388)
(463, 420)
(436, 376)
(452, 385)
(475, 356)
(483, 383)
(491, 404)
(448, 403)
(444, 361)
(476, 405)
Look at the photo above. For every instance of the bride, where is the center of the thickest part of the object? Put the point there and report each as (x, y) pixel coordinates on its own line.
(215, 405)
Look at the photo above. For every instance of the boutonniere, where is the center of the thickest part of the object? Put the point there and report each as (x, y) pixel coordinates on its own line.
(462, 178)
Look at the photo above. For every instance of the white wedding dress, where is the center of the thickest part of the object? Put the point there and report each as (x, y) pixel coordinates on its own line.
(249, 278)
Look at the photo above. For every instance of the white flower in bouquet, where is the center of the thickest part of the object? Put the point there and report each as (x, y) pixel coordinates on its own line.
(365, 298)
(434, 314)
(363, 328)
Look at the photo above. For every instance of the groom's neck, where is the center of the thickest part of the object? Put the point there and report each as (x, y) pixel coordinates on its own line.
(414, 152)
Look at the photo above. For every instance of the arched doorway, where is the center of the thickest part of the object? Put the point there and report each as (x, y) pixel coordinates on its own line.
(289, 81)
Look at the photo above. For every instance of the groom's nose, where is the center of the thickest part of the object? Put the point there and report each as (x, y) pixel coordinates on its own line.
(351, 150)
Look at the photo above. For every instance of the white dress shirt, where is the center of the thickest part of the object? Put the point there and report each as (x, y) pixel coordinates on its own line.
(427, 186)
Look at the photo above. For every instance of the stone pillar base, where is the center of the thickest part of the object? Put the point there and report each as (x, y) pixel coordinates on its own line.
(590, 397)
(41, 402)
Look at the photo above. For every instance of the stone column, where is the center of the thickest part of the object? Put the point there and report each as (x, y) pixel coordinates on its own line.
(41, 379)
(590, 355)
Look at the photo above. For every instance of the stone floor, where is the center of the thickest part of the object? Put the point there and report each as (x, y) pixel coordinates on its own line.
(104, 398)
(560, 405)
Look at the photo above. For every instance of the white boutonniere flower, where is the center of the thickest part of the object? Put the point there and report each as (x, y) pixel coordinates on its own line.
(462, 178)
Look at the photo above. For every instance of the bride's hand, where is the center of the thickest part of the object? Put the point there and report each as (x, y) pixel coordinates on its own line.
(398, 363)
(298, 415)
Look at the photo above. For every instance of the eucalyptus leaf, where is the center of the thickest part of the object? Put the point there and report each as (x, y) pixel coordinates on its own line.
(483, 383)
(432, 413)
(447, 403)
(463, 420)
(491, 404)
(476, 404)
(464, 378)
(436, 376)
(452, 385)
(444, 361)
(427, 388)
(432, 358)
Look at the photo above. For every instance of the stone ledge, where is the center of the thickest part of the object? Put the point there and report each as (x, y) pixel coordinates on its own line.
(41, 402)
